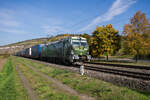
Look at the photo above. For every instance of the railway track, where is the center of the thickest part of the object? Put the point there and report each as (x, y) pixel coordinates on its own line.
(137, 75)
(137, 72)
(120, 65)
(110, 70)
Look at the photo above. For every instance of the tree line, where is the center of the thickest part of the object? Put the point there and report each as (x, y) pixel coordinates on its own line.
(135, 39)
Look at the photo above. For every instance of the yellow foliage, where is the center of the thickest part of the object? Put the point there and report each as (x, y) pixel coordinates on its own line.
(136, 35)
(105, 40)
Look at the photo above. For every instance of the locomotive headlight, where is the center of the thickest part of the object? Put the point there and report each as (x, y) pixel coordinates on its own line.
(89, 57)
(76, 57)
(85, 48)
(72, 52)
(87, 53)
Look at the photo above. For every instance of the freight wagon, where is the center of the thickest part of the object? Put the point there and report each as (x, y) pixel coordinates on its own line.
(32, 52)
(36, 51)
(27, 52)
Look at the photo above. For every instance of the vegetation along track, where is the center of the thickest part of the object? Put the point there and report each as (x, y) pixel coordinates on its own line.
(136, 73)
(59, 84)
(120, 80)
(140, 73)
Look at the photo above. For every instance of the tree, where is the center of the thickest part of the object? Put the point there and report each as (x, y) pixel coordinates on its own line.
(105, 41)
(136, 33)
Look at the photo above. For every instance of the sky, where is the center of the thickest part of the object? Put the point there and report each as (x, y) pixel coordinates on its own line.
(29, 19)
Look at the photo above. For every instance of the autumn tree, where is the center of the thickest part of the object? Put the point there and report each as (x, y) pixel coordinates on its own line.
(146, 36)
(136, 35)
(105, 40)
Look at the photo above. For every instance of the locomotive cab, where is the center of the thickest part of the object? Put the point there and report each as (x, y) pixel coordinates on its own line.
(80, 49)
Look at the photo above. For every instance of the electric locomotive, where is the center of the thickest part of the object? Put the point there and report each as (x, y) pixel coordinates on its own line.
(67, 50)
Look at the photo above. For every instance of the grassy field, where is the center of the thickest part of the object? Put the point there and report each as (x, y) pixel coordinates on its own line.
(10, 85)
(93, 87)
(3, 56)
(45, 89)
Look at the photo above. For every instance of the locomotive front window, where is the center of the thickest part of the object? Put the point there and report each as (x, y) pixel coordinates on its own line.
(84, 44)
(76, 43)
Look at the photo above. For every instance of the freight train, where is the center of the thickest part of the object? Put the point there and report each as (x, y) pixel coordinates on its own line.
(68, 50)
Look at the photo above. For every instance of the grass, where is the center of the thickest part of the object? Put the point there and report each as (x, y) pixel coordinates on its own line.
(4, 56)
(11, 87)
(45, 89)
(91, 86)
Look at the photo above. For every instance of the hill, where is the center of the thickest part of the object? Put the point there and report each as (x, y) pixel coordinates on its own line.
(14, 47)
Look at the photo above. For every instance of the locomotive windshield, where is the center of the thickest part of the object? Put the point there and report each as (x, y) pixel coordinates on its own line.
(76, 43)
(84, 44)
(79, 44)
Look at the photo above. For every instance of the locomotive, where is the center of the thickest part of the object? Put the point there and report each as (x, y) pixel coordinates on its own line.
(68, 50)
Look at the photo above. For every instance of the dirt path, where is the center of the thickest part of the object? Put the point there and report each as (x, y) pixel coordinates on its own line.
(62, 86)
(32, 95)
(2, 62)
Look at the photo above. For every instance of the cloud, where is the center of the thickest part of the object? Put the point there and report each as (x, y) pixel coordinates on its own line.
(51, 29)
(53, 21)
(54, 26)
(7, 18)
(10, 30)
(5, 13)
(117, 8)
(8, 22)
